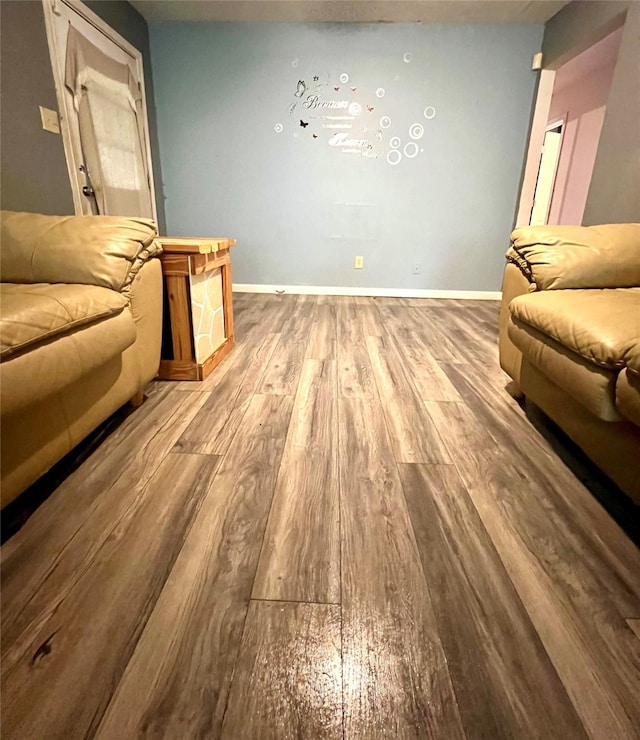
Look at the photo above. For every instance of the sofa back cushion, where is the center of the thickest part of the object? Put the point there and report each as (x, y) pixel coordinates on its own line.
(559, 257)
(106, 251)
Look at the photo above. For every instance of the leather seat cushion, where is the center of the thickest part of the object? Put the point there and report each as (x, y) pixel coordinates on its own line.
(601, 326)
(628, 395)
(33, 314)
(48, 367)
(590, 385)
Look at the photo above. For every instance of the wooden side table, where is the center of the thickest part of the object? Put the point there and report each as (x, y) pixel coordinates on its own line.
(198, 314)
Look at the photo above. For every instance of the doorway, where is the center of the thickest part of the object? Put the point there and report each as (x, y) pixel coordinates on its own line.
(547, 171)
(560, 162)
(99, 83)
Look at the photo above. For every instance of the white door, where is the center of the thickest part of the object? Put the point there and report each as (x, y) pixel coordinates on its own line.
(103, 115)
(546, 175)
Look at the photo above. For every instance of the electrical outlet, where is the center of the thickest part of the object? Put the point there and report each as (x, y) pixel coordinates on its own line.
(359, 263)
(416, 268)
(49, 120)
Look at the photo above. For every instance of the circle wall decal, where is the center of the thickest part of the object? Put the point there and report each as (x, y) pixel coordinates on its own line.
(394, 142)
(380, 92)
(416, 131)
(411, 150)
(344, 78)
(385, 122)
(278, 128)
(429, 112)
(294, 62)
(355, 109)
(394, 156)
(407, 57)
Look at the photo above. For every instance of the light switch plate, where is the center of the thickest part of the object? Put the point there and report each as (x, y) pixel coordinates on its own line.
(50, 120)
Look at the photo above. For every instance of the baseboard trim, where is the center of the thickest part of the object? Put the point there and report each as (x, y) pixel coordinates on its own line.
(475, 295)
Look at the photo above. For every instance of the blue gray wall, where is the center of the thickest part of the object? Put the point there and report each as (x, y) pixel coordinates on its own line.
(301, 208)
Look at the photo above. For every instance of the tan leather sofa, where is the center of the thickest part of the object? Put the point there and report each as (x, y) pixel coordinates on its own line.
(570, 336)
(80, 332)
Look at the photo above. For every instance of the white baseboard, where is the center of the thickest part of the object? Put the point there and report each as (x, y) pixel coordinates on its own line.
(476, 295)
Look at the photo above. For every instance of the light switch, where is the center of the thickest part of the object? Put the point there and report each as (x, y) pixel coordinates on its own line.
(50, 120)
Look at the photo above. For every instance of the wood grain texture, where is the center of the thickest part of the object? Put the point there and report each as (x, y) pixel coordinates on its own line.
(180, 312)
(288, 679)
(483, 625)
(491, 596)
(323, 334)
(177, 682)
(214, 426)
(413, 434)
(634, 624)
(577, 623)
(69, 664)
(396, 681)
(355, 378)
(430, 380)
(585, 526)
(43, 561)
(282, 376)
(300, 559)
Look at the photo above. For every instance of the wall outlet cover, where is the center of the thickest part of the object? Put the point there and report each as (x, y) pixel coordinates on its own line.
(416, 268)
(50, 120)
(358, 263)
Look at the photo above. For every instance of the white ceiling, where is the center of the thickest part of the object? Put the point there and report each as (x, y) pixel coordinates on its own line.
(363, 11)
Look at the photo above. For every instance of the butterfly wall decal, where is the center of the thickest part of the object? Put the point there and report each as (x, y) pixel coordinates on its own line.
(304, 124)
(369, 108)
(301, 88)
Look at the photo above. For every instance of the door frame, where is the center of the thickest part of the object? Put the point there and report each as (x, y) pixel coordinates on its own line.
(562, 122)
(65, 107)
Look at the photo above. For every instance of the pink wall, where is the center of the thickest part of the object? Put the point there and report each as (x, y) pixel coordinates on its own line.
(579, 96)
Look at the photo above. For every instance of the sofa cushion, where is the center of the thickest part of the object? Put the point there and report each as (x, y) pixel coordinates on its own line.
(601, 326)
(628, 395)
(587, 383)
(44, 369)
(558, 257)
(106, 251)
(33, 314)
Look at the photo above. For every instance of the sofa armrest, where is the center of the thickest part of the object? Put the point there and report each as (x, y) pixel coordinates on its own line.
(558, 257)
(107, 251)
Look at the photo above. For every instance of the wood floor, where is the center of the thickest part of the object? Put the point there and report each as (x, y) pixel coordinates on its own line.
(350, 529)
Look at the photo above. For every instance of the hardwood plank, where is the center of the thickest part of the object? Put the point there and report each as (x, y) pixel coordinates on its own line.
(42, 562)
(595, 655)
(429, 379)
(214, 426)
(263, 316)
(283, 373)
(634, 624)
(355, 379)
(288, 679)
(414, 437)
(428, 323)
(395, 677)
(484, 627)
(177, 681)
(369, 317)
(300, 558)
(70, 664)
(590, 530)
(323, 334)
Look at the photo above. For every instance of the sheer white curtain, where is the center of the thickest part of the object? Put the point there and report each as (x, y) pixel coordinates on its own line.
(107, 101)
